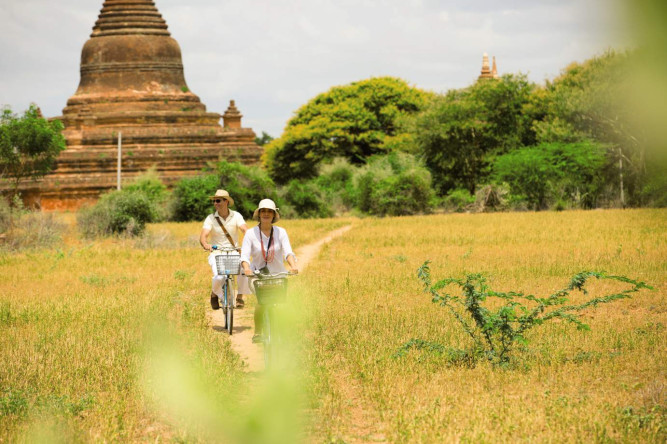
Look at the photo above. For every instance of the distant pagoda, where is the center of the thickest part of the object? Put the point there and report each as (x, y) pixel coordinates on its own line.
(488, 72)
(132, 83)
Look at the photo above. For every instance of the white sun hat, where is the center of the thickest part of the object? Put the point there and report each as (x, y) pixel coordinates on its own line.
(269, 204)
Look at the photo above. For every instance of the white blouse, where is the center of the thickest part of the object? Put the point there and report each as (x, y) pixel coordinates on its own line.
(251, 251)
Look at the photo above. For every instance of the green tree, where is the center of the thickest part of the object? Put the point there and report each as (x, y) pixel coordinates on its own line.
(461, 132)
(554, 172)
(29, 146)
(396, 184)
(247, 185)
(354, 121)
(592, 101)
(263, 139)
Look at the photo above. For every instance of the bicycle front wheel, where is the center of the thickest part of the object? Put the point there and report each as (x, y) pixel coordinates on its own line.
(266, 332)
(229, 321)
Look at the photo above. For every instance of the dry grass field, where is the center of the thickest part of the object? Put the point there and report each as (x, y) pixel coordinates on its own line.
(108, 341)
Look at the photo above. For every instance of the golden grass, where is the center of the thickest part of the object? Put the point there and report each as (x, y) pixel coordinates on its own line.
(85, 331)
(604, 385)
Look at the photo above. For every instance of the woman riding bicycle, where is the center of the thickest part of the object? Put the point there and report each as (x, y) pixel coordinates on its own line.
(223, 226)
(265, 248)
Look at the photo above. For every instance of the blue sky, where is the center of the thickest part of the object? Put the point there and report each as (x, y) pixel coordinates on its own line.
(272, 56)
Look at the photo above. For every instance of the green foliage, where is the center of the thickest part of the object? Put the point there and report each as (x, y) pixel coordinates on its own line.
(117, 213)
(354, 121)
(247, 185)
(336, 179)
(458, 200)
(495, 333)
(150, 185)
(263, 139)
(192, 197)
(594, 100)
(394, 185)
(29, 145)
(304, 199)
(460, 132)
(549, 173)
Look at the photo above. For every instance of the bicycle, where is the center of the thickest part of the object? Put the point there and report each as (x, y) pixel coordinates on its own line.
(228, 263)
(271, 291)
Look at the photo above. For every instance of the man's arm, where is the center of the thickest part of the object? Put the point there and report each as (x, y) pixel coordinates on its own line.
(202, 239)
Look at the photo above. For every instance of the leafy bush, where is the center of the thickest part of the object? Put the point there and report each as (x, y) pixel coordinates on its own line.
(553, 172)
(458, 200)
(304, 199)
(150, 185)
(118, 212)
(495, 334)
(394, 185)
(247, 185)
(192, 197)
(336, 179)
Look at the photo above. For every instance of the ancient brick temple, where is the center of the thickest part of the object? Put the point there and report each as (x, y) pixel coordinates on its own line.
(132, 84)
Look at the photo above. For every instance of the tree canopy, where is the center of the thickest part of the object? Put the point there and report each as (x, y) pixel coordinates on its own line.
(354, 121)
(29, 145)
(460, 132)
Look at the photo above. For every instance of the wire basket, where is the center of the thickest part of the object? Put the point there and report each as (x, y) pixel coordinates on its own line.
(229, 263)
(270, 291)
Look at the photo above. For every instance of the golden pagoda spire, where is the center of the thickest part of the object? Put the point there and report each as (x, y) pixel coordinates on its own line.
(486, 70)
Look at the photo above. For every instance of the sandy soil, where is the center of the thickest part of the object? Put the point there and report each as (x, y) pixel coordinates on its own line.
(241, 337)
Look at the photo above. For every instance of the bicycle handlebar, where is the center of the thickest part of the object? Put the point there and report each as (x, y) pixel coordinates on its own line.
(274, 275)
(225, 249)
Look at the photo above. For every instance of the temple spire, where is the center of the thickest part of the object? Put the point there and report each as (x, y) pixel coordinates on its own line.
(119, 17)
(232, 117)
(487, 72)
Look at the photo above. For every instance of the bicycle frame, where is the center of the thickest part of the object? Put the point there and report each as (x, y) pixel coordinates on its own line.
(271, 291)
(228, 265)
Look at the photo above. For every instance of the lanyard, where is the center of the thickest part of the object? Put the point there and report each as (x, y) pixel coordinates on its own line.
(268, 255)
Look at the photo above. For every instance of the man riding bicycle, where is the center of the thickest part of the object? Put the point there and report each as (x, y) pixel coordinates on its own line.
(223, 227)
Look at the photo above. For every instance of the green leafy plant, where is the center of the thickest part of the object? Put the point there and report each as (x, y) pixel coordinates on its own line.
(495, 333)
(192, 197)
(117, 213)
(305, 199)
(396, 184)
(29, 146)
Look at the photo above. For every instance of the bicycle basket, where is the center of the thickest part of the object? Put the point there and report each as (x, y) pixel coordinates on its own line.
(229, 263)
(270, 291)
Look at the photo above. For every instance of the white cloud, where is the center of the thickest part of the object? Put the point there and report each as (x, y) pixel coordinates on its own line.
(271, 56)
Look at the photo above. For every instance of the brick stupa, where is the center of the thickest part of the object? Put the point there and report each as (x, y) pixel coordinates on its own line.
(132, 83)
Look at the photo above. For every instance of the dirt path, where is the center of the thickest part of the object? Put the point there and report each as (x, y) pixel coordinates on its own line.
(241, 337)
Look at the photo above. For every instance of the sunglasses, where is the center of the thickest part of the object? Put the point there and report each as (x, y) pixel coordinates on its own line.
(219, 200)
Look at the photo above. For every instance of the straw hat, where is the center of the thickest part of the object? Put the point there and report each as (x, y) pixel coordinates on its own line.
(222, 194)
(271, 205)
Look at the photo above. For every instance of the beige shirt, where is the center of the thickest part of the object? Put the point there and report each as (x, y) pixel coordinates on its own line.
(232, 224)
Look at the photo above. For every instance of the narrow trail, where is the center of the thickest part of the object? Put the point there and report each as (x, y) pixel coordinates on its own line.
(241, 338)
